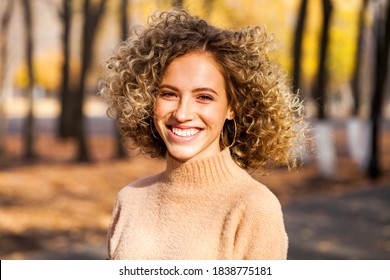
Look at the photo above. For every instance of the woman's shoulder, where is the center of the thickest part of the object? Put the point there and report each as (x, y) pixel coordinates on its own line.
(258, 196)
(141, 185)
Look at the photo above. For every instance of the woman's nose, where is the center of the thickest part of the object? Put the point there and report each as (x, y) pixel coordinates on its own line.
(184, 111)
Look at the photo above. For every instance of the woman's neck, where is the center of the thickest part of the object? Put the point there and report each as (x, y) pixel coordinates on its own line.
(206, 172)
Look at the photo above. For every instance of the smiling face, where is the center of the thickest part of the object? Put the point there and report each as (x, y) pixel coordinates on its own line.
(192, 106)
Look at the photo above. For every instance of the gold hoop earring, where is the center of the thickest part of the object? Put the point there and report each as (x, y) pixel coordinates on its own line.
(234, 138)
(151, 129)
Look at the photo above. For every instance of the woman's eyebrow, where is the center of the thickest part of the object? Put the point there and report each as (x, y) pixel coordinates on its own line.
(205, 89)
(169, 87)
(195, 90)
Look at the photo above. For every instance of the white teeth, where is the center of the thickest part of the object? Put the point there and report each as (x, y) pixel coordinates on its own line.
(185, 132)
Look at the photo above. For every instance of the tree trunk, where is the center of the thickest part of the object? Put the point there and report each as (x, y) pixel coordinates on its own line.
(357, 66)
(120, 150)
(298, 45)
(382, 58)
(66, 119)
(319, 92)
(4, 28)
(92, 16)
(178, 3)
(124, 19)
(358, 131)
(30, 123)
(359, 139)
(325, 144)
(325, 149)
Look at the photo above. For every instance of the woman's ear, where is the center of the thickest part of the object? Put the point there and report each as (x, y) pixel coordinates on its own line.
(230, 114)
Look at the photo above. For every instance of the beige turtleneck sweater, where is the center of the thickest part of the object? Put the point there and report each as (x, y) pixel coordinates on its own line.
(204, 209)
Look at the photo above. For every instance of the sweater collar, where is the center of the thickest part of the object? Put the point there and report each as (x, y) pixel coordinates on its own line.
(210, 171)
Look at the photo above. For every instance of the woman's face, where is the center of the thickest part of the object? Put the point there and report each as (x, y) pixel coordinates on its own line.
(192, 106)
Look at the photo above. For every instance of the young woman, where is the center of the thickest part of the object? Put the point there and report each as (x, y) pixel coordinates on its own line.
(210, 101)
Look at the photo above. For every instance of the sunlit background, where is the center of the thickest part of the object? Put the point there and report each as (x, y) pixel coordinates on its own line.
(61, 162)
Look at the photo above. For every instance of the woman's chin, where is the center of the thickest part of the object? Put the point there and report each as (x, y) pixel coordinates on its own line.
(185, 154)
(182, 155)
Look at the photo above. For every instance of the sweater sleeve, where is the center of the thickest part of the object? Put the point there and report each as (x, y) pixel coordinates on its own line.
(111, 240)
(261, 233)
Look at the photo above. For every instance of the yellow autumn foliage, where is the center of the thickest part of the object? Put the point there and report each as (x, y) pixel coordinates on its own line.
(47, 71)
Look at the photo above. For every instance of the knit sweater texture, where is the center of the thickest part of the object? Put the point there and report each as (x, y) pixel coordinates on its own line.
(199, 210)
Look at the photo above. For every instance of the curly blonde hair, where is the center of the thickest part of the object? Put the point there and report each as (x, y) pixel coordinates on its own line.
(269, 122)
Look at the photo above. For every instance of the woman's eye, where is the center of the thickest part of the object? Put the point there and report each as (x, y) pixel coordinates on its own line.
(205, 97)
(167, 94)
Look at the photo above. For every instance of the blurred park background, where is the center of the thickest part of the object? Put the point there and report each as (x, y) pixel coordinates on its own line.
(61, 163)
